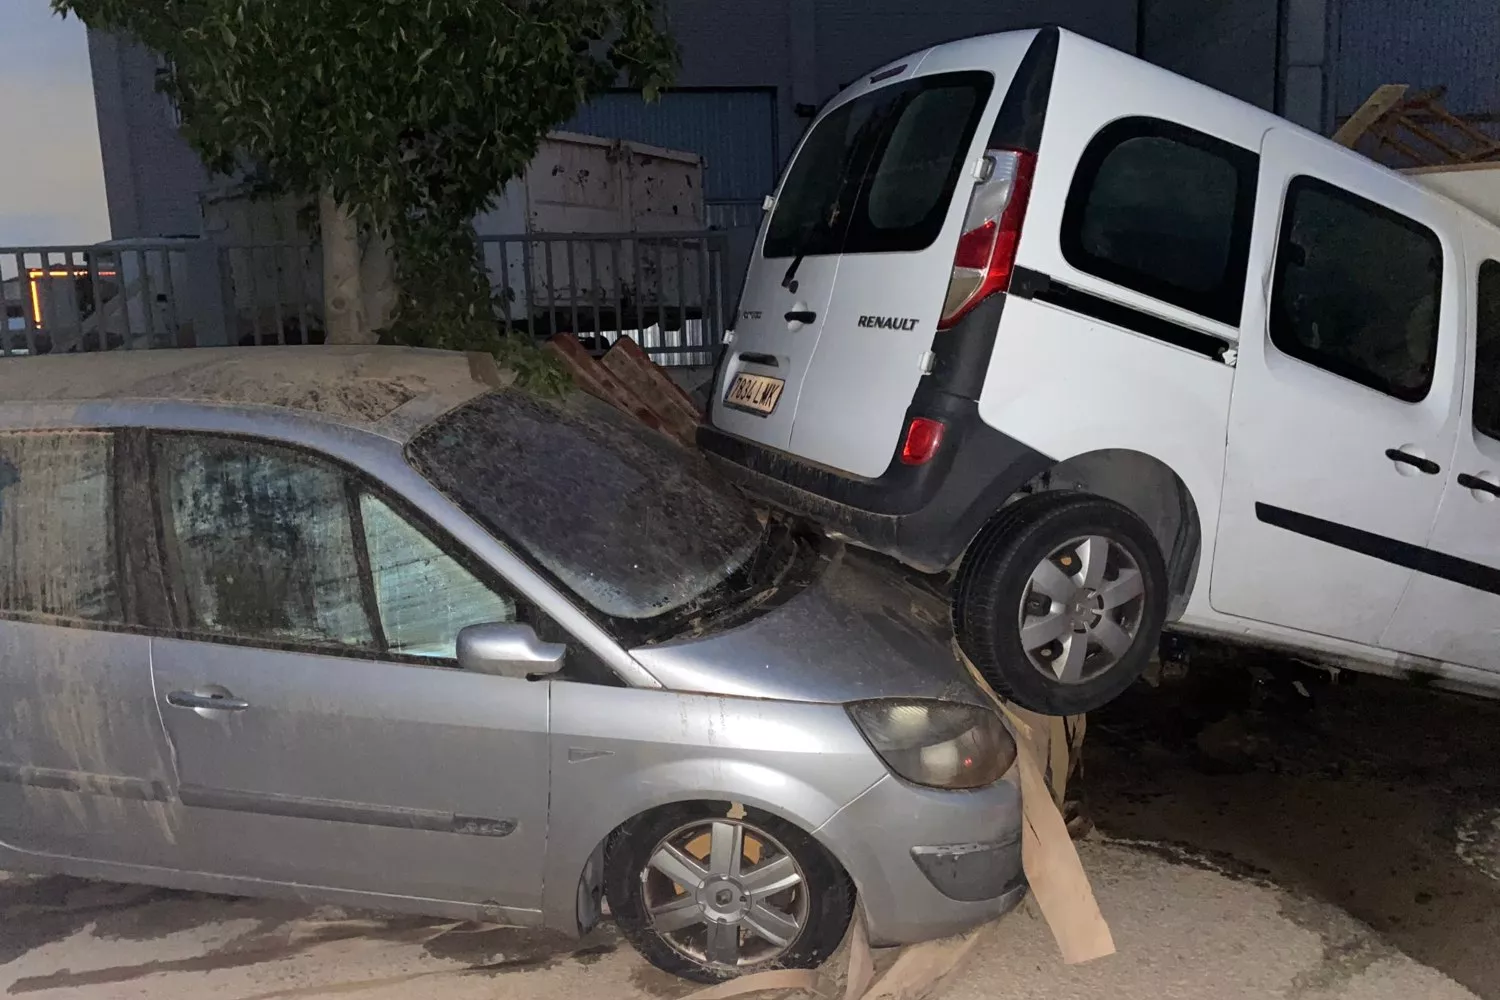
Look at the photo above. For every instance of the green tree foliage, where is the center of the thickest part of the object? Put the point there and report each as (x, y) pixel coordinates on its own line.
(412, 114)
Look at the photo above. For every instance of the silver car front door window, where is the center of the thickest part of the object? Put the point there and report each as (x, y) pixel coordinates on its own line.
(323, 732)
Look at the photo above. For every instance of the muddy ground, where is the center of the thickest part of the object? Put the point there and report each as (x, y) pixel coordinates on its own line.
(1251, 841)
(1381, 797)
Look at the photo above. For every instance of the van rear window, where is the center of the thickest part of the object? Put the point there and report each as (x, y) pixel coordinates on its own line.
(877, 174)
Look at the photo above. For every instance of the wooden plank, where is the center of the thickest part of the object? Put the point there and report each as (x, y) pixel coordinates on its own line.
(644, 380)
(1386, 97)
(1058, 882)
(591, 377)
(628, 346)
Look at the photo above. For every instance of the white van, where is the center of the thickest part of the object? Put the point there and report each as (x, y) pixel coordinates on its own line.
(1117, 350)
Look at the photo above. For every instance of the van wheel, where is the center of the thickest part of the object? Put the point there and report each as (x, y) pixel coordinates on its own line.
(1060, 602)
(708, 898)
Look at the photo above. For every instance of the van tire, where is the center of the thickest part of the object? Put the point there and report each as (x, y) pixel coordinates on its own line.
(994, 585)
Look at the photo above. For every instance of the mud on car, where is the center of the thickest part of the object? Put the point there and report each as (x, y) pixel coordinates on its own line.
(377, 628)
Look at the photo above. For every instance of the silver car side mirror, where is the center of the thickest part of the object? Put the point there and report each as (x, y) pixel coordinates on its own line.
(508, 649)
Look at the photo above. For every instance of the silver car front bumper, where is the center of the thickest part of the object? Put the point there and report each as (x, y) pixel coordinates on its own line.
(929, 863)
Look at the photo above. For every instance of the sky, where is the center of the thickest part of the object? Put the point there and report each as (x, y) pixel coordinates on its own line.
(51, 180)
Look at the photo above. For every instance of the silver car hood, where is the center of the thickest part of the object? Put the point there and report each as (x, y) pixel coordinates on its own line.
(862, 630)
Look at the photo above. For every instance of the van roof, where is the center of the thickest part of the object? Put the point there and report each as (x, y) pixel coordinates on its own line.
(359, 386)
(1475, 186)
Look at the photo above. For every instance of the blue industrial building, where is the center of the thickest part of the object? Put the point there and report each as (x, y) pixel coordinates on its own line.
(754, 71)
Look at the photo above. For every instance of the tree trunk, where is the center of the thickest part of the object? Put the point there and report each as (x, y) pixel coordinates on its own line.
(377, 277)
(343, 299)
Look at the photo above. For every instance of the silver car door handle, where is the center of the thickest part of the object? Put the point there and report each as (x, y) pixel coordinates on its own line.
(216, 702)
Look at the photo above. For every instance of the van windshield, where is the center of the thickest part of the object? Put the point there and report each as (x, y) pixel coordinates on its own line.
(636, 526)
(878, 173)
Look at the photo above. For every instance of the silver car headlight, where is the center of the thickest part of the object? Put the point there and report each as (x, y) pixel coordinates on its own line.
(937, 743)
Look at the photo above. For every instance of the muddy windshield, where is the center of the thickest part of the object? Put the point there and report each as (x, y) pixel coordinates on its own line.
(634, 525)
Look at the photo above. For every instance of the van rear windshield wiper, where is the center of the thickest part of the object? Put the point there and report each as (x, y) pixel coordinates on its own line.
(791, 272)
(804, 239)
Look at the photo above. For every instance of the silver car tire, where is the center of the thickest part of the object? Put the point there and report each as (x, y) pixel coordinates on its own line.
(1060, 601)
(707, 897)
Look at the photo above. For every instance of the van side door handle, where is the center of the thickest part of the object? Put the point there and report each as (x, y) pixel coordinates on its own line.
(1424, 465)
(1469, 482)
(803, 316)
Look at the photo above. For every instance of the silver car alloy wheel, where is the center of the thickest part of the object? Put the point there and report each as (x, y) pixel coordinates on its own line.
(1082, 609)
(725, 893)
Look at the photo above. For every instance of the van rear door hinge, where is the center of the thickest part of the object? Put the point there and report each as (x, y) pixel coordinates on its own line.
(928, 360)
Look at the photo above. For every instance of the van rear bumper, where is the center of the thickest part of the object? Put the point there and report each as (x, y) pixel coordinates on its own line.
(924, 516)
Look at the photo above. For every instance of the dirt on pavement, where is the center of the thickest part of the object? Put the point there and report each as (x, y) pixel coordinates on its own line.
(1252, 842)
(1378, 796)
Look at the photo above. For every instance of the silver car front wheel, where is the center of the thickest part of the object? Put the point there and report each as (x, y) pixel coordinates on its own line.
(708, 897)
(725, 893)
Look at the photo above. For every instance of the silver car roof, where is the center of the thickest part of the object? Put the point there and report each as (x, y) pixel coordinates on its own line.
(390, 391)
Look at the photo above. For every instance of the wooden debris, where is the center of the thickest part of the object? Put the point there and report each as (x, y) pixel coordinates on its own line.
(592, 378)
(758, 982)
(631, 382)
(652, 388)
(1058, 882)
(1415, 130)
(1376, 107)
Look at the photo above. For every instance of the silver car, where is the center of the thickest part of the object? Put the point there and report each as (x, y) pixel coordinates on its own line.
(373, 627)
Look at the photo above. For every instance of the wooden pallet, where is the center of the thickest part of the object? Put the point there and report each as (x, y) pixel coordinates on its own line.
(629, 380)
(1416, 128)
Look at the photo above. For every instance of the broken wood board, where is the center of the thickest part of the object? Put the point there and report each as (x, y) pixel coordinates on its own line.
(592, 378)
(1376, 106)
(652, 388)
(1058, 882)
(1403, 129)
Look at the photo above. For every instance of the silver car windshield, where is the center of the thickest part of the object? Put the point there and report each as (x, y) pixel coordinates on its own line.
(635, 525)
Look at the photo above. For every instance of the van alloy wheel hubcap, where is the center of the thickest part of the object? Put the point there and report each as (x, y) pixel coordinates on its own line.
(1082, 609)
(725, 893)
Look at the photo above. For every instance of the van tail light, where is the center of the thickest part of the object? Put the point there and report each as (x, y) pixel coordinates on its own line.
(924, 437)
(986, 252)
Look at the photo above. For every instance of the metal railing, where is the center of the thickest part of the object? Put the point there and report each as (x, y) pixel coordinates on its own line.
(272, 293)
(665, 290)
(78, 298)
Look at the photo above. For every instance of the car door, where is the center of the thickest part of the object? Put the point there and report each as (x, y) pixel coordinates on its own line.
(1343, 411)
(1451, 611)
(322, 731)
(790, 281)
(84, 766)
(897, 260)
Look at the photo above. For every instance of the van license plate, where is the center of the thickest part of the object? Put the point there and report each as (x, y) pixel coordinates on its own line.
(756, 393)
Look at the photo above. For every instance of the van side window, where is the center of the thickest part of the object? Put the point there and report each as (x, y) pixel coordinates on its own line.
(1487, 352)
(1166, 211)
(58, 552)
(1357, 290)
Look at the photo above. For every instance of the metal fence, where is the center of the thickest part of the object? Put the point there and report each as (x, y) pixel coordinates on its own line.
(64, 299)
(666, 290)
(155, 294)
